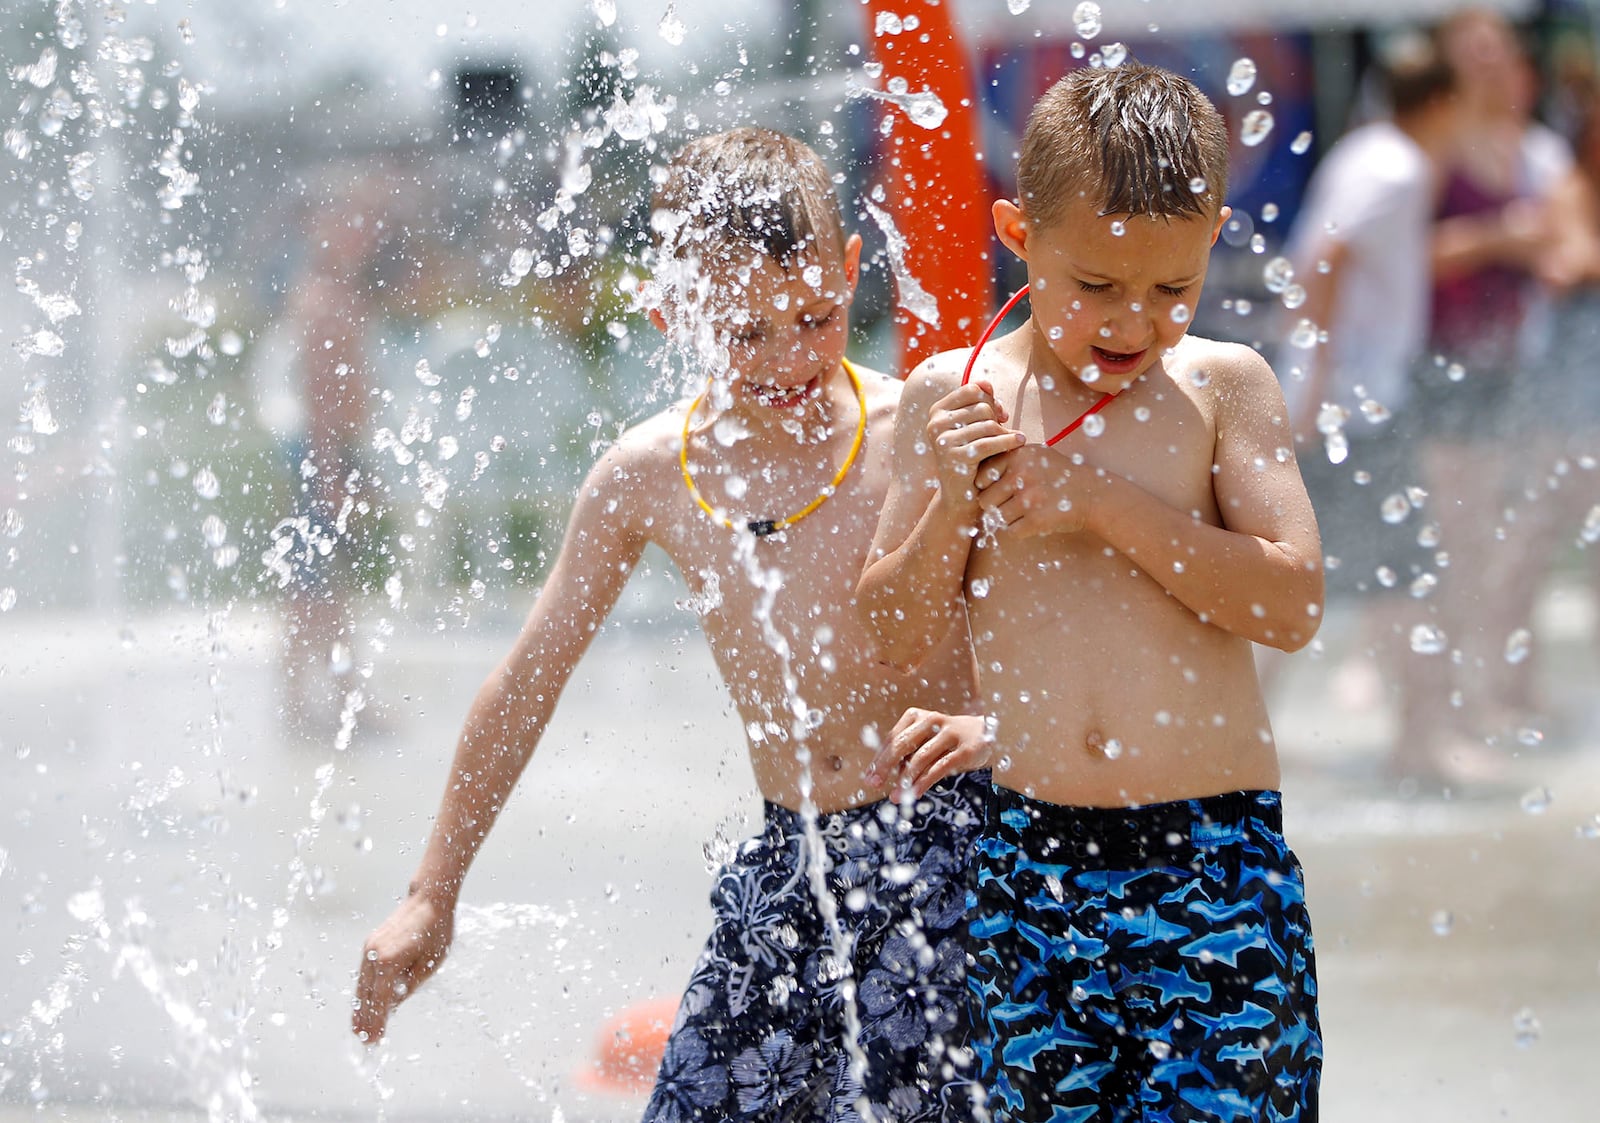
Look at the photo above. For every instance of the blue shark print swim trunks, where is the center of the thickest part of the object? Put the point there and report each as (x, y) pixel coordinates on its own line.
(763, 1032)
(1143, 964)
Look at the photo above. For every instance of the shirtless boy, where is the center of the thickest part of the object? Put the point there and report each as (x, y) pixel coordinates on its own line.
(1141, 943)
(755, 275)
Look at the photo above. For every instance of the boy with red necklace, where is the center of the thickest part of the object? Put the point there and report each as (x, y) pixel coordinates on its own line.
(764, 491)
(1141, 943)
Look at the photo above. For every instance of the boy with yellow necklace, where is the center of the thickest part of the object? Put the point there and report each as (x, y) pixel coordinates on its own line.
(764, 491)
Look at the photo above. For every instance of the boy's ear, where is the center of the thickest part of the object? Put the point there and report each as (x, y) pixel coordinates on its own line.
(852, 262)
(1011, 226)
(1222, 216)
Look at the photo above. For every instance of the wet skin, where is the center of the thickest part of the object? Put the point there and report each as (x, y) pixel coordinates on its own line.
(778, 611)
(1121, 577)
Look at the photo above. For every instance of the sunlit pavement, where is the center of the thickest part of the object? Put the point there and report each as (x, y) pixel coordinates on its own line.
(187, 899)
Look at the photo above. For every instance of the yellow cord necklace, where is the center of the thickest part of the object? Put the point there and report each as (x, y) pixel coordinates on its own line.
(761, 528)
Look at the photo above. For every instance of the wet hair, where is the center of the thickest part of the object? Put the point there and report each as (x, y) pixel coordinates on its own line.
(1415, 73)
(1134, 139)
(747, 187)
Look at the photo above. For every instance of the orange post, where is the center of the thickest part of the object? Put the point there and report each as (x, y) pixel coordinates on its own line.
(938, 190)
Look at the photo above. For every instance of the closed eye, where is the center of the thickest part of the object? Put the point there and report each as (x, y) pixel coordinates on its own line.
(1087, 287)
(1172, 290)
(819, 321)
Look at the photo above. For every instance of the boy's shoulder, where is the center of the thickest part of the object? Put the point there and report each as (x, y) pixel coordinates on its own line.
(645, 448)
(1220, 366)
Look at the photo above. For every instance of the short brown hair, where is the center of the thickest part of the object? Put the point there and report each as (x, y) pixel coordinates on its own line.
(748, 186)
(1415, 73)
(1136, 139)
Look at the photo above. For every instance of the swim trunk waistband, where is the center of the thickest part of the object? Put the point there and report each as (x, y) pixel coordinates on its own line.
(1149, 834)
(958, 796)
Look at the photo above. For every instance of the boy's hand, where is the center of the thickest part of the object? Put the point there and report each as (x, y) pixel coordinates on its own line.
(926, 746)
(964, 428)
(397, 958)
(1036, 490)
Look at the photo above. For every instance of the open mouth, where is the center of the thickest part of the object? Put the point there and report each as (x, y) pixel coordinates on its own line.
(1117, 362)
(785, 397)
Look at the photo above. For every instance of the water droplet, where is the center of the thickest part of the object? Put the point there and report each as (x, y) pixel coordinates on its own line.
(1395, 508)
(606, 12)
(671, 28)
(206, 484)
(214, 531)
(1423, 585)
(1530, 737)
(1590, 532)
(1443, 922)
(1518, 644)
(1180, 313)
(1255, 128)
(1089, 374)
(1427, 640)
(1241, 76)
(1304, 335)
(1375, 412)
(978, 587)
(1525, 1028)
(425, 373)
(1269, 212)
(1114, 55)
(1590, 828)
(1086, 18)
(1277, 273)
(11, 522)
(1094, 425)
(1198, 185)
(888, 23)
(1017, 7)
(1118, 229)
(1294, 296)
(1301, 144)
(1387, 577)
(1536, 801)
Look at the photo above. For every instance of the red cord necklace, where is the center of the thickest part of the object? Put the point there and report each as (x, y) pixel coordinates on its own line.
(966, 374)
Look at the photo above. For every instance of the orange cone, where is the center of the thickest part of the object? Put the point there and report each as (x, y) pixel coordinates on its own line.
(937, 190)
(628, 1049)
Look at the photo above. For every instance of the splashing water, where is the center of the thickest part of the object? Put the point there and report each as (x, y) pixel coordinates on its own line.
(909, 291)
(1301, 143)
(1017, 7)
(1241, 76)
(1256, 127)
(1427, 640)
(1086, 19)
(924, 108)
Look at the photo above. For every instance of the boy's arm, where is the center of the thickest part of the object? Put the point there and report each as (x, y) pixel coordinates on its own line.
(1259, 575)
(603, 542)
(910, 593)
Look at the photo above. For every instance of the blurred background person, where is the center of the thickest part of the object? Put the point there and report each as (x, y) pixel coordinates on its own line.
(331, 311)
(1489, 239)
(1360, 246)
(1556, 415)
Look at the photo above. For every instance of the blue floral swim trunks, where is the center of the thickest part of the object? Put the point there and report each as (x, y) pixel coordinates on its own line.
(764, 1029)
(1143, 965)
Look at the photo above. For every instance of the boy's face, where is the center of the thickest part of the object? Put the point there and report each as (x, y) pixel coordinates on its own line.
(1107, 289)
(785, 329)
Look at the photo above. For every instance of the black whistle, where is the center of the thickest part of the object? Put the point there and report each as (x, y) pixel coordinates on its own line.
(762, 527)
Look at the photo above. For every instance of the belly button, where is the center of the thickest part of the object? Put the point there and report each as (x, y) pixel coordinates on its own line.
(836, 763)
(1101, 745)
